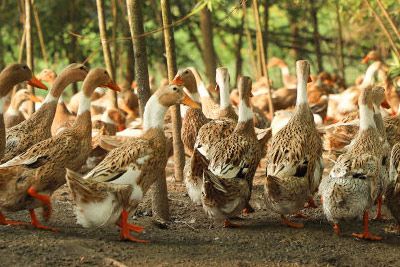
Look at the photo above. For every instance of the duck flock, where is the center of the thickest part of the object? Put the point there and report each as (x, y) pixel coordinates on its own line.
(109, 157)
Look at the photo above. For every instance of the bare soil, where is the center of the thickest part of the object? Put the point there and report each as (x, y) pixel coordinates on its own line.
(191, 239)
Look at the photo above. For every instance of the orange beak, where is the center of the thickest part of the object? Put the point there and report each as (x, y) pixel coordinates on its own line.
(113, 86)
(189, 102)
(385, 104)
(365, 60)
(178, 80)
(309, 79)
(35, 82)
(35, 99)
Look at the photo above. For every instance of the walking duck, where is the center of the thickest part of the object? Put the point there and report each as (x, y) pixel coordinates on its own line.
(294, 163)
(27, 180)
(38, 127)
(230, 165)
(354, 182)
(114, 188)
(10, 76)
(13, 115)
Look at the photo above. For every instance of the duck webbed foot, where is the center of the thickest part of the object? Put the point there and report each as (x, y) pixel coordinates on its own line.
(248, 209)
(291, 224)
(35, 222)
(366, 234)
(45, 199)
(229, 224)
(126, 229)
(4, 221)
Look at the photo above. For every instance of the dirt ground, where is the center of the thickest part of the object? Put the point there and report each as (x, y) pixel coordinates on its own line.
(191, 239)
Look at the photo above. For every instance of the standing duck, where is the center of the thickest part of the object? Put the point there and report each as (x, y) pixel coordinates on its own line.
(27, 180)
(353, 184)
(10, 76)
(230, 165)
(38, 127)
(392, 194)
(117, 185)
(13, 115)
(294, 163)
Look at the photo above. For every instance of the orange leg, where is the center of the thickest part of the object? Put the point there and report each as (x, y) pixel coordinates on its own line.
(4, 221)
(35, 222)
(45, 199)
(366, 234)
(379, 216)
(229, 224)
(310, 204)
(336, 229)
(248, 209)
(291, 224)
(126, 229)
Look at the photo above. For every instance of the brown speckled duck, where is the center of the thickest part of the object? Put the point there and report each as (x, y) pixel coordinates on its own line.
(14, 115)
(294, 163)
(230, 165)
(354, 182)
(10, 76)
(27, 180)
(117, 185)
(392, 194)
(38, 127)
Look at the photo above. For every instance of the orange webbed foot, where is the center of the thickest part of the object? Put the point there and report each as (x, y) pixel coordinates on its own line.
(35, 223)
(379, 216)
(126, 229)
(291, 224)
(229, 224)
(45, 199)
(4, 221)
(367, 236)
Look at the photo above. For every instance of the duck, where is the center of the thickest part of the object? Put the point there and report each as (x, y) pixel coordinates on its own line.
(294, 161)
(289, 81)
(392, 194)
(28, 180)
(392, 126)
(110, 122)
(230, 165)
(114, 188)
(9, 77)
(354, 182)
(38, 127)
(14, 115)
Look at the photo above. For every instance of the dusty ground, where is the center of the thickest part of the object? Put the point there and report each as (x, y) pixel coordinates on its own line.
(192, 240)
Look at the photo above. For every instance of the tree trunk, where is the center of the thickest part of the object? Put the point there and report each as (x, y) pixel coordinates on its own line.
(208, 46)
(73, 49)
(340, 44)
(294, 29)
(266, 28)
(40, 34)
(29, 48)
(114, 37)
(106, 49)
(263, 61)
(317, 39)
(250, 44)
(139, 47)
(389, 19)
(239, 59)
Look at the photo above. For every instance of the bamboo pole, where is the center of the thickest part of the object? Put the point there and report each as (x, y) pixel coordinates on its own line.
(386, 32)
(40, 33)
(106, 49)
(263, 60)
(340, 43)
(29, 48)
(388, 18)
(250, 43)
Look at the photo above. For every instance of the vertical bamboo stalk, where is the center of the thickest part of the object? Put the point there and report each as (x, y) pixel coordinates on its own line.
(239, 59)
(250, 44)
(135, 19)
(40, 33)
(208, 46)
(106, 49)
(264, 64)
(29, 48)
(340, 43)
(316, 35)
(115, 57)
(388, 18)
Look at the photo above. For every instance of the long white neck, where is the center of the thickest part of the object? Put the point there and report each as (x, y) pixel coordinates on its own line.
(245, 112)
(377, 109)
(154, 113)
(84, 104)
(2, 101)
(369, 74)
(224, 95)
(50, 98)
(301, 91)
(202, 90)
(366, 117)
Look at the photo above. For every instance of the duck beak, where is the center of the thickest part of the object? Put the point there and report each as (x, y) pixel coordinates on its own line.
(113, 86)
(35, 82)
(189, 102)
(385, 104)
(309, 79)
(365, 60)
(178, 80)
(35, 99)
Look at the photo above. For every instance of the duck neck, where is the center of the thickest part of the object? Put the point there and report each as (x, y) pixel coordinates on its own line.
(57, 88)
(379, 120)
(224, 96)
(366, 117)
(154, 113)
(301, 92)
(369, 74)
(245, 120)
(201, 88)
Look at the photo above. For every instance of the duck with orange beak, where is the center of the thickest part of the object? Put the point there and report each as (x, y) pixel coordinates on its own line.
(29, 179)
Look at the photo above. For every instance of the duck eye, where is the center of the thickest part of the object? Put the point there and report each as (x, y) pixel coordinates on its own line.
(174, 88)
(186, 72)
(25, 67)
(105, 72)
(82, 68)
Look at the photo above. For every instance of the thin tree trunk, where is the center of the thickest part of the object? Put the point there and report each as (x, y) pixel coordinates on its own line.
(29, 48)
(340, 43)
(294, 29)
(208, 46)
(266, 28)
(114, 36)
(250, 44)
(385, 13)
(317, 39)
(263, 62)
(139, 47)
(106, 49)
(21, 46)
(40, 34)
(239, 59)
